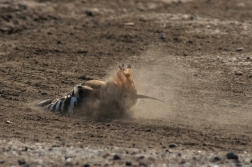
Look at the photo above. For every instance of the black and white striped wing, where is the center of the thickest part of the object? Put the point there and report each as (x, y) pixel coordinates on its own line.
(71, 101)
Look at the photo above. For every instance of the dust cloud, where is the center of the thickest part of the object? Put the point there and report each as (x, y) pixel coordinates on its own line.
(188, 100)
(155, 74)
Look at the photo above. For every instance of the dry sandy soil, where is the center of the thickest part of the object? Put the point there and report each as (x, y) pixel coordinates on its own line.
(194, 55)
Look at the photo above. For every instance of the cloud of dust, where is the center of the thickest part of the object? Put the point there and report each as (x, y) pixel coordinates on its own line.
(156, 75)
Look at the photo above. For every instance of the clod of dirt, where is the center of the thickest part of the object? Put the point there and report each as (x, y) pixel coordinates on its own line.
(232, 155)
(172, 145)
(116, 157)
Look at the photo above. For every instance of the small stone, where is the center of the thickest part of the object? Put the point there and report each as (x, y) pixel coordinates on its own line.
(215, 159)
(172, 145)
(239, 49)
(141, 157)
(8, 122)
(89, 13)
(21, 161)
(232, 155)
(116, 157)
(238, 73)
(86, 165)
(162, 36)
(128, 164)
(191, 42)
(25, 149)
(193, 17)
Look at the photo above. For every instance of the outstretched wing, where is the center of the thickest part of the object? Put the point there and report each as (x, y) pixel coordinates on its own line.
(69, 102)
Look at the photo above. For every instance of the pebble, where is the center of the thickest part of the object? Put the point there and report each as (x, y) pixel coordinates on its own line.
(141, 157)
(239, 49)
(215, 159)
(162, 36)
(8, 122)
(172, 145)
(238, 73)
(21, 162)
(231, 155)
(89, 13)
(128, 164)
(116, 157)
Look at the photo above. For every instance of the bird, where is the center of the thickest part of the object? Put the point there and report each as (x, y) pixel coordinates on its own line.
(118, 93)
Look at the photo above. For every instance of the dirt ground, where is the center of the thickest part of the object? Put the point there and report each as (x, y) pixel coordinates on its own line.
(194, 55)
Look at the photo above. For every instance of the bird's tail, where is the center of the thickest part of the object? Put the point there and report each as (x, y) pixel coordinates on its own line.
(148, 97)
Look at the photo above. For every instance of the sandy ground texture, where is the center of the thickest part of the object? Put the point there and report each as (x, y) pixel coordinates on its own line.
(194, 55)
